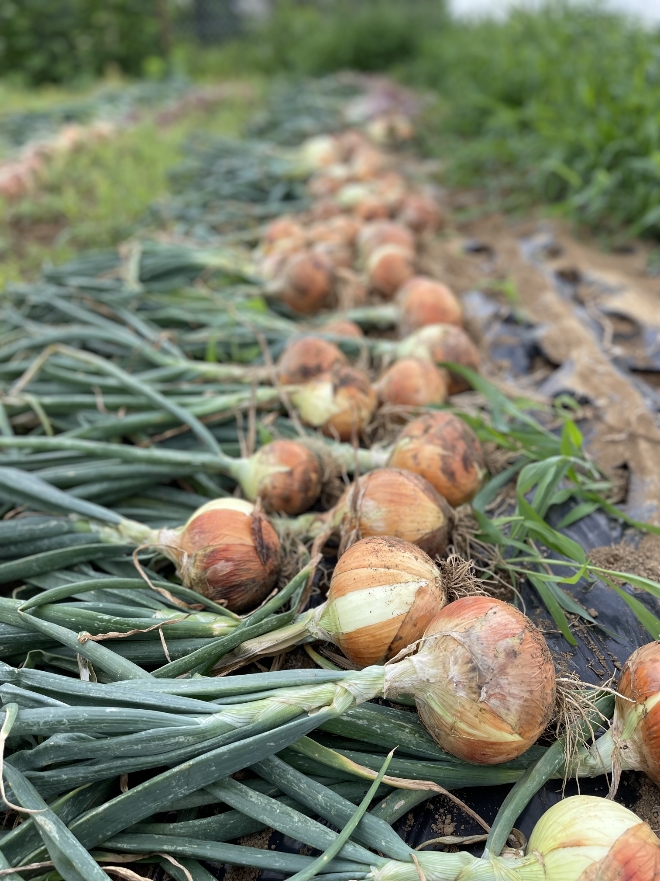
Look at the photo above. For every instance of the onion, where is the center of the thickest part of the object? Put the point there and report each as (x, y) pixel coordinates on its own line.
(320, 151)
(371, 207)
(377, 233)
(343, 327)
(285, 475)
(441, 343)
(412, 382)
(340, 402)
(383, 593)
(283, 229)
(373, 505)
(389, 267)
(339, 230)
(337, 254)
(444, 450)
(585, 838)
(425, 301)
(305, 282)
(420, 212)
(483, 680)
(366, 162)
(227, 551)
(307, 357)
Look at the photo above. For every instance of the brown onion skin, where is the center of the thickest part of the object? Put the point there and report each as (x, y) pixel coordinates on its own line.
(371, 207)
(306, 283)
(283, 228)
(340, 402)
(444, 450)
(389, 268)
(496, 660)
(375, 502)
(229, 556)
(444, 342)
(420, 212)
(412, 382)
(295, 489)
(343, 327)
(634, 856)
(639, 681)
(307, 357)
(383, 232)
(378, 561)
(424, 300)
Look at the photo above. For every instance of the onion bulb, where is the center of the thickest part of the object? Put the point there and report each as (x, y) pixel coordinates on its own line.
(284, 229)
(343, 327)
(441, 343)
(585, 838)
(305, 282)
(227, 551)
(340, 402)
(444, 450)
(383, 593)
(383, 232)
(424, 300)
(412, 382)
(285, 475)
(320, 151)
(307, 357)
(633, 740)
(483, 680)
(420, 212)
(389, 267)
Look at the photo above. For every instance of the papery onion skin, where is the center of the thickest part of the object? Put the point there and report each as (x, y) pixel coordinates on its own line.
(389, 267)
(343, 327)
(585, 838)
(307, 357)
(412, 382)
(483, 680)
(420, 212)
(636, 723)
(383, 232)
(287, 477)
(397, 503)
(444, 450)
(441, 343)
(383, 593)
(426, 301)
(306, 282)
(340, 403)
(283, 229)
(227, 551)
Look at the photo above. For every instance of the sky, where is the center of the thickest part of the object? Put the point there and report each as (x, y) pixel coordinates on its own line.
(648, 10)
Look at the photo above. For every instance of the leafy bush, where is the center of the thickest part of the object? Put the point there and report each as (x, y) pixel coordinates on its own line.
(369, 35)
(63, 40)
(561, 104)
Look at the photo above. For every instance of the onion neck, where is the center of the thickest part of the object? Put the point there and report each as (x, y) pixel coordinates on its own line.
(128, 531)
(436, 866)
(357, 459)
(613, 751)
(379, 317)
(304, 526)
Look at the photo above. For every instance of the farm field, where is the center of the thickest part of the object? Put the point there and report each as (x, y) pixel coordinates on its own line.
(329, 453)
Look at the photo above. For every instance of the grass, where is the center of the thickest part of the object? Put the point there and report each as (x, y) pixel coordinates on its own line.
(95, 197)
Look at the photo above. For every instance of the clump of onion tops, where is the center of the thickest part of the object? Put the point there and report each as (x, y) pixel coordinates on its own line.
(339, 402)
(307, 357)
(444, 450)
(412, 382)
(228, 551)
(383, 593)
(585, 838)
(483, 680)
(375, 505)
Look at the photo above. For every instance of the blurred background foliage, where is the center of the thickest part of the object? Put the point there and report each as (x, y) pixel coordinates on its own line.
(559, 105)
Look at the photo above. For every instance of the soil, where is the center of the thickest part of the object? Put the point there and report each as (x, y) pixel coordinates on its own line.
(642, 559)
